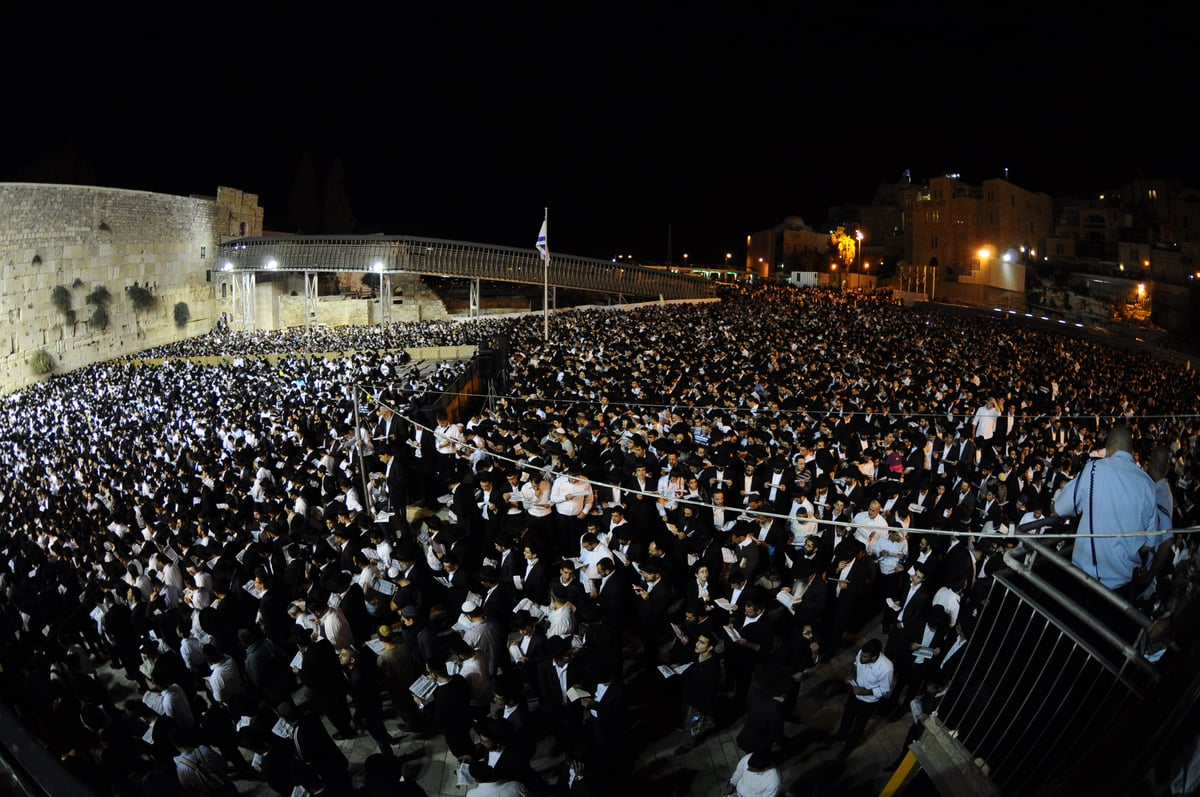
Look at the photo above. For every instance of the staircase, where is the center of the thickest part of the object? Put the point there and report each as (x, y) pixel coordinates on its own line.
(412, 290)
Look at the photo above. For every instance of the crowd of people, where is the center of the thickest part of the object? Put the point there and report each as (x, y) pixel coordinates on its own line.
(714, 496)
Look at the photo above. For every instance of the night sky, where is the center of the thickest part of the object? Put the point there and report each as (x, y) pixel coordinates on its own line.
(638, 129)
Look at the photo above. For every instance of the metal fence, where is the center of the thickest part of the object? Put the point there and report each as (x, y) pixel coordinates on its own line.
(1053, 664)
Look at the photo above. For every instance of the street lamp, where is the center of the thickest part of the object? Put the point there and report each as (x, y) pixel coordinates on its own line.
(859, 235)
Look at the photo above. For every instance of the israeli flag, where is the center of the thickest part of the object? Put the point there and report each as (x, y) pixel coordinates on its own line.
(541, 243)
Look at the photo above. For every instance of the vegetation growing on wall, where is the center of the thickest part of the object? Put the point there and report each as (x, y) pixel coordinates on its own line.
(41, 362)
(99, 296)
(99, 299)
(183, 314)
(99, 319)
(140, 297)
(60, 297)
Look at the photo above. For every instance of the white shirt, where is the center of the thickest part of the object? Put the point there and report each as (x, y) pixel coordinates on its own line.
(888, 552)
(336, 628)
(985, 422)
(588, 559)
(571, 496)
(447, 438)
(171, 702)
(863, 523)
(536, 505)
(561, 673)
(876, 676)
(754, 784)
(226, 681)
(949, 600)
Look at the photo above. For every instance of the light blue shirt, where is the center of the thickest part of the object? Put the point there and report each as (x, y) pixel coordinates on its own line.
(1120, 499)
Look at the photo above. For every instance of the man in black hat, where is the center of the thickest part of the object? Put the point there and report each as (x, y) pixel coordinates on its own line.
(652, 599)
(638, 495)
(529, 647)
(777, 486)
(497, 597)
(489, 510)
(749, 653)
(316, 749)
(321, 672)
(499, 755)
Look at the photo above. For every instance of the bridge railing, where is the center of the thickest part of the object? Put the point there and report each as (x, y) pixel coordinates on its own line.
(436, 257)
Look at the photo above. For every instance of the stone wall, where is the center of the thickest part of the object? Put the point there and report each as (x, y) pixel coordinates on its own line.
(83, 238)
(334, 311)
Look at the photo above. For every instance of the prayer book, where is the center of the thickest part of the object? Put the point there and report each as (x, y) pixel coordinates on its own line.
(423, 688)
(667, 671)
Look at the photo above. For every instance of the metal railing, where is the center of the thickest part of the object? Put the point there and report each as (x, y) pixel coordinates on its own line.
(1053, 663)
(435, 257)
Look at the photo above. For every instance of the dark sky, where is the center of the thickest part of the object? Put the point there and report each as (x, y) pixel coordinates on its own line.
(636, 128)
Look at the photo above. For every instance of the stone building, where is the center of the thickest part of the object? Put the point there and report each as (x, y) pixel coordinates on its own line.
(980, 234)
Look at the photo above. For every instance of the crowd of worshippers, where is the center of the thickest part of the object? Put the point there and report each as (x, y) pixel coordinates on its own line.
(724, 493)
(224, 340)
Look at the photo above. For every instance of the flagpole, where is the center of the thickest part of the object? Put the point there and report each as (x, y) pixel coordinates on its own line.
(546, 284)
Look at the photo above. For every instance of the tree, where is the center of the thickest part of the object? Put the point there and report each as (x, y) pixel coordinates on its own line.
(846, 246)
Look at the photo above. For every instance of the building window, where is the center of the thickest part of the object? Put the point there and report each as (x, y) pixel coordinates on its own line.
(203, 252)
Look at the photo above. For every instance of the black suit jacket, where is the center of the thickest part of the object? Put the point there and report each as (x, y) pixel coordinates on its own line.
(321, 671)
(452, 713)
(536, 584)
(553, 705)
(273, 609)
(613, 598)
(914, 608)
(498, 604)
(575, 593)
(764, 723)
(957, 562)
(651, 611)
(761, 633)
(813, 603)
(316, 747)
